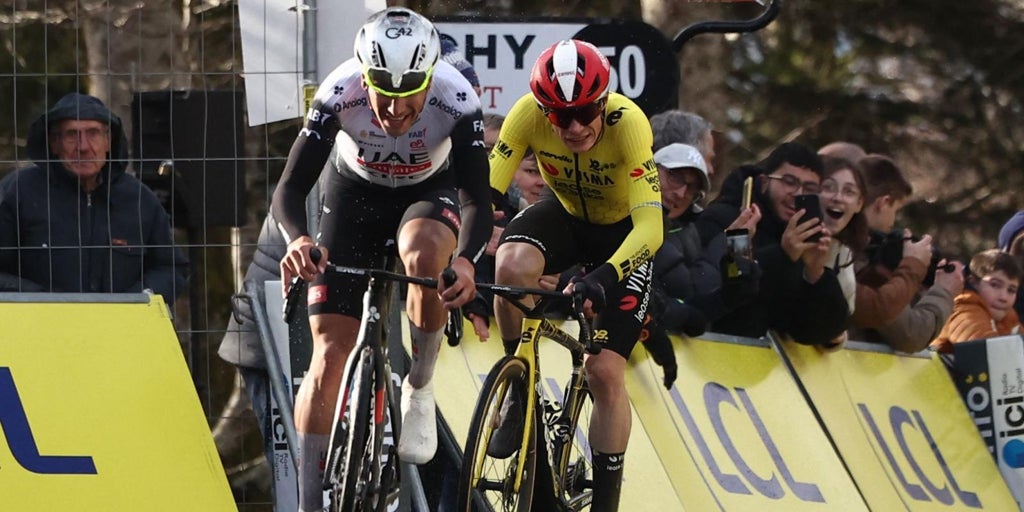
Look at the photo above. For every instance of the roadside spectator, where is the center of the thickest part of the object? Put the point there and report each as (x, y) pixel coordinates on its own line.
(241, 344)
(842, 203)
(985, 308)
(1011, 240)
(798, 296)
(892, 305)
(673, 126)
(844, 150)
(688, 289)
(75, 221)
(451, 54)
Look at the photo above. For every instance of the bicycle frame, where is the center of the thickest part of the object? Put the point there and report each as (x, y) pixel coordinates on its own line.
(371, 349)
(371, 342)
(533, 330)
(474, 485)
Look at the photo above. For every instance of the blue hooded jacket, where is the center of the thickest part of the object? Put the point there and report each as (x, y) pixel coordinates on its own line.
(56, 237)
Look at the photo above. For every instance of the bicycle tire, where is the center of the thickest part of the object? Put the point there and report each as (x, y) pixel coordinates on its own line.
(575, 468)
(354, 461)
(489, 482)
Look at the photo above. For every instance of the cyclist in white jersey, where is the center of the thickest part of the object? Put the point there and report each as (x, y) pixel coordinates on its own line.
(404, 133)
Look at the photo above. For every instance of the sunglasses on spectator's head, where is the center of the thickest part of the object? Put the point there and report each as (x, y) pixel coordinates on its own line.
(563, 117)
(412, 82)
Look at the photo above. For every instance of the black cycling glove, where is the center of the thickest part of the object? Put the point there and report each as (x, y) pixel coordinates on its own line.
(659, 346)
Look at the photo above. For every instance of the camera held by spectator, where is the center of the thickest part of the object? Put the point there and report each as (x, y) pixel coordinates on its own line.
(887, 249)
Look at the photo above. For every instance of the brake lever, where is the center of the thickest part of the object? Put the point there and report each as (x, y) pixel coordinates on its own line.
(295, 290)
(453, 328)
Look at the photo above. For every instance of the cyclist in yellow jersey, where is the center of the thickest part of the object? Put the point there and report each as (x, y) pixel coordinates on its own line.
(603, 211)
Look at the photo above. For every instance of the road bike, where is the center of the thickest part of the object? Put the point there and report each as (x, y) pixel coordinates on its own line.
(362, 470)
(548, 432)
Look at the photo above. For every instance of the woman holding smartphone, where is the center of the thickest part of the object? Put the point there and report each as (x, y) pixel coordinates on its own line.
(842, 200)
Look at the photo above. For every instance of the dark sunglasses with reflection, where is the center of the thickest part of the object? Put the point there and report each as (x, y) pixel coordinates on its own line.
(563, 117)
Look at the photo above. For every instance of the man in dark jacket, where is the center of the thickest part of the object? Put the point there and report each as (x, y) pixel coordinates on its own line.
(689, 289)
(797, 295)
(75, 221)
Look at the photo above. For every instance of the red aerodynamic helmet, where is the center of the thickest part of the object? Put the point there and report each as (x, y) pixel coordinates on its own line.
(570, 74)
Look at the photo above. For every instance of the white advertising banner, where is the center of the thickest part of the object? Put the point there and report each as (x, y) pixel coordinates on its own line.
(990, 376)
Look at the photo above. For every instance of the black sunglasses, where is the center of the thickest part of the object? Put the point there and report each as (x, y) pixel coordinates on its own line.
(563, 117)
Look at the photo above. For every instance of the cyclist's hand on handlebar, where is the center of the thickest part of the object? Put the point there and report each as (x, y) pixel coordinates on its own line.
(591, 291)
(298, 262)
(463, 290)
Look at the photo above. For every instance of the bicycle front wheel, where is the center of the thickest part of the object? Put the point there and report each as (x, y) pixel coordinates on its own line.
(354, 464)
(486, 482)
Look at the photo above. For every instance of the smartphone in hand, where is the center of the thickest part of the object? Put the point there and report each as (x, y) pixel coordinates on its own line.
(748, 191)
(810, 203)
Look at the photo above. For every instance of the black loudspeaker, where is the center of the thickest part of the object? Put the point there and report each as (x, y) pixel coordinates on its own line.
(188, 146)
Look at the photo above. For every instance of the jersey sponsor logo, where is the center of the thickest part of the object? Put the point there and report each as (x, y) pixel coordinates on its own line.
(317, 116)
(589, 178)
(636, 173)
(317, 294)
(628, 302)
(597, 166)
(550, 169)
(502, 149)
(418, 144)
(392, 169)
(418, 134)
(570, 188)
(446, 108)
(556, 156)
(358, 102)
(613, 118)
(374, 157)
(452, 217)
(650, 165)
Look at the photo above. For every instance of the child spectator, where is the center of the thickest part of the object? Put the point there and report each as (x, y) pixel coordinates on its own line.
(1011, 240)
(985, 308)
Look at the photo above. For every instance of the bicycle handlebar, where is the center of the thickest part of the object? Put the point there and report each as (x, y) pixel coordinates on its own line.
(514, 294)
(453, 328)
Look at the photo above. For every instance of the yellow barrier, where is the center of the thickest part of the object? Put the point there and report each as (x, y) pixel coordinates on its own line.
(99, 412)
(461, 371)
(735, 433)
(902, 428)
(738, 433)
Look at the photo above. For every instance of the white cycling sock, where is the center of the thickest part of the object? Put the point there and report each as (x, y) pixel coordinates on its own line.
(312, 457)
(425, 346)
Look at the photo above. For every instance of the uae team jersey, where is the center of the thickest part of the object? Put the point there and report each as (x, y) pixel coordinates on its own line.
(615, 179)
(446, 137)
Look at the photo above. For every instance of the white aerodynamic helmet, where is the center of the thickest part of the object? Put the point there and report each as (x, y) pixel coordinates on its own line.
(398, 49)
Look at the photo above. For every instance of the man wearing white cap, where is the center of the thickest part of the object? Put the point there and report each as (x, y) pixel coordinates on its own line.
(688, 289)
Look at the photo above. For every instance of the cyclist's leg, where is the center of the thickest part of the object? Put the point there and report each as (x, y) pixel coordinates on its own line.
(350, 228)
(610, 424)
(536, 242)
(333, 339)
(426, 242)
(610, 420)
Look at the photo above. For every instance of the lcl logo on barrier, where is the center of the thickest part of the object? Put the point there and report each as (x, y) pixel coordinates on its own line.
(901, 422)
(23, 443)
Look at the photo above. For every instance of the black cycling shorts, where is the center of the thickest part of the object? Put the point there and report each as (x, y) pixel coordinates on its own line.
(565, 241)
(356, 222)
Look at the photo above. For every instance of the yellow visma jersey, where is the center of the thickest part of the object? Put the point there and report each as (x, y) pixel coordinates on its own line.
(614, 179)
